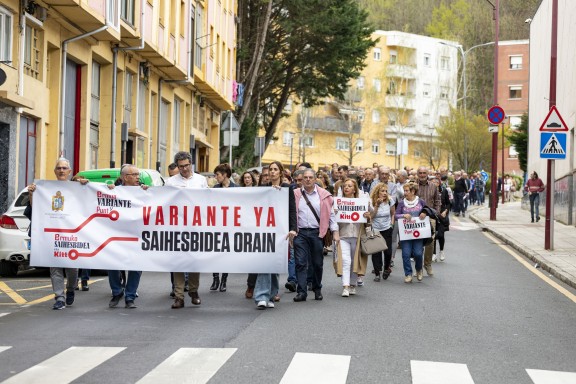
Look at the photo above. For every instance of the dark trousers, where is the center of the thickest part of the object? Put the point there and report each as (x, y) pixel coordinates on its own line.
(308, 247)
(459, 202)
(251, 281)
(377, 257)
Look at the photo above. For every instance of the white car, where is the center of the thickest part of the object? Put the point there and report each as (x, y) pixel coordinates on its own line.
(14, 239)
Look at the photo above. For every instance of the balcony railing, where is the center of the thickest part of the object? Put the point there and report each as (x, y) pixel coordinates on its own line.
(400, 101)
(330, 124)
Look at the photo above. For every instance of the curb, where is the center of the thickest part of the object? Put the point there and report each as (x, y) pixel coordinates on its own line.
(531, 255)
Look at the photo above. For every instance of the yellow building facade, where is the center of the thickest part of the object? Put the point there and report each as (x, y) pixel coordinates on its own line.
(107, 82)
(388, 115)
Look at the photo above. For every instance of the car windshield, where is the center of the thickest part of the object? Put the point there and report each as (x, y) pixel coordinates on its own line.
(22, 200)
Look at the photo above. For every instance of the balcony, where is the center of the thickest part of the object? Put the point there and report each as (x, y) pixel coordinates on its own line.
(401, 71)
(329, 124)
(401, 102)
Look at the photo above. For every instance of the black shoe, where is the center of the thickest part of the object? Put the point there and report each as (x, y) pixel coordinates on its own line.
(223, 284)
(310, 286)
(115, 300)
(69, 297)
(386, 273)
(291, 286)
(172, 294)
(85, 285)
(130, 304)
(318, 295)
(215, 284)
(538, 218)
(299, 297)
(532, 220)
(186, 288)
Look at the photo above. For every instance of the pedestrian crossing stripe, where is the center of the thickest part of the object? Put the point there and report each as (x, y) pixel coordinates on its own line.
(199, 365)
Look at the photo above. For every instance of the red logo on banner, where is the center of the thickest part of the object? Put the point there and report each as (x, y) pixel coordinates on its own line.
(416, 234)
(355, 216)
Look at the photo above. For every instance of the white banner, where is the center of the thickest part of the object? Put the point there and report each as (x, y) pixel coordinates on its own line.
(350, 210)
(414, 229)
(165, 229)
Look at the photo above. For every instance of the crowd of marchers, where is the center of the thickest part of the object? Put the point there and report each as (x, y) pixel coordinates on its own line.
(314, 231)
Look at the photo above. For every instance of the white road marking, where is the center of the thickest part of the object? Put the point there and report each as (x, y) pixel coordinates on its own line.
(66, 366)
(431, 372)
(4, 314)
(189, 365)
(2, 349)
(317, 369)
(551, 377)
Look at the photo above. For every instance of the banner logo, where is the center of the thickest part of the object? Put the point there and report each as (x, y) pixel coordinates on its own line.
(58, 202)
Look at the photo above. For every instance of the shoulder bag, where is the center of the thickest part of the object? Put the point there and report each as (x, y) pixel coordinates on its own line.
(328, 237)
(371, 242)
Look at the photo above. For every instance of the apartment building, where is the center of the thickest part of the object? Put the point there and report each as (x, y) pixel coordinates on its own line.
(513, 91)
(106, 82)
(389, 114)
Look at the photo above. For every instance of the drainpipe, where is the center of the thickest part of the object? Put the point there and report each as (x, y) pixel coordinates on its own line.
(63, 80)
(115, 84)
(21, 42)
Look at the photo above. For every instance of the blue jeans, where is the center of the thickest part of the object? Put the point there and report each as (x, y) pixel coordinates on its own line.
(291, 266)
(115, 280)
(412, 248)
(535, 205)
(480, 196)
(266, 287)
(308, 246)
(84, 274)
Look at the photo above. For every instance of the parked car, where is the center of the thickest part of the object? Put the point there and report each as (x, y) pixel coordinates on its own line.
(14, 240)
(149, 177)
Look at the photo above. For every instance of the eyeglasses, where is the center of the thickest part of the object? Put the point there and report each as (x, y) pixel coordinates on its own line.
(182, 166)
(61, 168)
(133, 174)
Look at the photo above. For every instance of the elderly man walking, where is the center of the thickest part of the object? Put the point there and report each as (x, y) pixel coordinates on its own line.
(428, 192)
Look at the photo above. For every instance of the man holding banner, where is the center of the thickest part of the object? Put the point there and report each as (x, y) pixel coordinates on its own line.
(186, 178)
(130, 177)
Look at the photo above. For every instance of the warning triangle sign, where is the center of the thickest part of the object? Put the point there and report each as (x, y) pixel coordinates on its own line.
(553, 147)
(553, 122)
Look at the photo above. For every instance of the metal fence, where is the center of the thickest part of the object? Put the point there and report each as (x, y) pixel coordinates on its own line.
(564, 199)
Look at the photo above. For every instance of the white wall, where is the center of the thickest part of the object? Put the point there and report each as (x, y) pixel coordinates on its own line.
(540, 47)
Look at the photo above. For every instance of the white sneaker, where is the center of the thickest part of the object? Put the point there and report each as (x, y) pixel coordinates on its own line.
(434, 258)
(270, 304)
(442, 257)
(345, 292)
(261, 304)
(352, 290)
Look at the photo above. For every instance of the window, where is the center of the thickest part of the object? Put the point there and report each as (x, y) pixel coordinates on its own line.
(176, 124)
(391, 149)
(512, 152)
(393, 56)
(360, 145)
(444, 92)
(308, 141)
(377, 85)
(417, 153)
(199, 37)
(287, 139)
(377, 54)
(162, 133)
(360, 82)
(127, 11)
(94, 145)
(375, 146)
(435, 153)
(427, 59)
(375, 116)
(342, 143)
(32, 51)
(515, 92)
(141, 123)
(113, 13)
(445, 63)
(515, 121)
(128, 99)
(391, 87)
(515, 62)
(95, 94)
(426, 90)
(5, 35)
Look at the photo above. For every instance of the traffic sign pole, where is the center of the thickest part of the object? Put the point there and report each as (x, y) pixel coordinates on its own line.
(496, 115)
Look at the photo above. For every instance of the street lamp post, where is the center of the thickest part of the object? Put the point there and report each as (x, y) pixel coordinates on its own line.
(291, 147)
(465, 90)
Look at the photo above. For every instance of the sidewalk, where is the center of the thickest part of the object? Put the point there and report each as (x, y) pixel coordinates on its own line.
(513, 227)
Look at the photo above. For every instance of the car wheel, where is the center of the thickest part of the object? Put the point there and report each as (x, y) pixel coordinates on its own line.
(8, 269)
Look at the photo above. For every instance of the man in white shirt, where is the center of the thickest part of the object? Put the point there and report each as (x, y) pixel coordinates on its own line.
(186, 179)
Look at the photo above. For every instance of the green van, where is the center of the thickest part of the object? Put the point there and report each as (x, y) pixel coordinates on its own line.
(148, 177)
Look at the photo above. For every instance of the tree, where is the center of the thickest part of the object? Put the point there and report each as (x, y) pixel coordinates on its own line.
(312, 49)
(451, 135)
(518, 137)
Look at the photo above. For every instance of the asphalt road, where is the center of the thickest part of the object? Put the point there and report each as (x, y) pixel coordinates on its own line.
(483, 314)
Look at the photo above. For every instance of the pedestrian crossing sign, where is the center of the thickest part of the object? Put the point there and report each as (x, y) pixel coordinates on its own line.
(552, 145)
